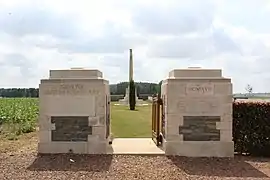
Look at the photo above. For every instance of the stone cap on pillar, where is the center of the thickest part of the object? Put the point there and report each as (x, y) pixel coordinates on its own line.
(76, 73)
(195, 72)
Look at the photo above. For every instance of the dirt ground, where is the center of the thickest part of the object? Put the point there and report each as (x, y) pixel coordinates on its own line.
(19, 160)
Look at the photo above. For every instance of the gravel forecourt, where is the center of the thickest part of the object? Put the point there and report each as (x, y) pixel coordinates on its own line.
(25, 164)
(29, 166)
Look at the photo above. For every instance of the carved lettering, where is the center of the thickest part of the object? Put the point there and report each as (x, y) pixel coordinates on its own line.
(200, 89)
(70, 89)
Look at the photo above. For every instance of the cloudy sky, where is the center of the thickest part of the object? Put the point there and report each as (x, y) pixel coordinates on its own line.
(36, 36)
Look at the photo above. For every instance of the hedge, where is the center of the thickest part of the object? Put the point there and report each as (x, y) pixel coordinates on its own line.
(251, 128)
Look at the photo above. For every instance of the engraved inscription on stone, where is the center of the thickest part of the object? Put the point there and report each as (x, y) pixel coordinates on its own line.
(70, 128)
(70, 89)
(200, 89)
(200, 128)
(199, 105)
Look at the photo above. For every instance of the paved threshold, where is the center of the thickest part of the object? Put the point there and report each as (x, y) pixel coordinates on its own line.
(137, 146)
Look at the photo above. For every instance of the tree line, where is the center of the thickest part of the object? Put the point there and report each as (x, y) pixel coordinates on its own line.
(115, 89)
(142, 88)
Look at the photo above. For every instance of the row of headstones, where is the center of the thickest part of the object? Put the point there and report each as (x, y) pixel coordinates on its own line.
(75, 113)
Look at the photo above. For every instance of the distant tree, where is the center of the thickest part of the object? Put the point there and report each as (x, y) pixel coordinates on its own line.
(19, 92)
(132, 97)
(249, 89)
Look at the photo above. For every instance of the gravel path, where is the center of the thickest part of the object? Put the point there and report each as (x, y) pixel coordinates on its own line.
(19, 161)
(27, 165)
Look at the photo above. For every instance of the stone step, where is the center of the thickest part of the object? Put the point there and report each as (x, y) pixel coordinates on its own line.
(135, 146)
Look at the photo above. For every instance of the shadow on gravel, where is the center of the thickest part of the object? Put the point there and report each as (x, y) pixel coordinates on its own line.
(221, 167)
(71, 162)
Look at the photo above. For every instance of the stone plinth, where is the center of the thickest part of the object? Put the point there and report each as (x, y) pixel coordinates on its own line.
(125, 101)
(198, 113)
(75, 73)
(74, 112)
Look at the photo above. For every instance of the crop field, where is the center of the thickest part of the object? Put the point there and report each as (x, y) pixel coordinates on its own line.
(18, 116)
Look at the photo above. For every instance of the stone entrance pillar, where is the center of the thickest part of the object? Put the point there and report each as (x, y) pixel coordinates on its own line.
(198, 113)
(74, 112)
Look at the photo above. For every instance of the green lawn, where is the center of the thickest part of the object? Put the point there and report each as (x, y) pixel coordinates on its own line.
(126, 123)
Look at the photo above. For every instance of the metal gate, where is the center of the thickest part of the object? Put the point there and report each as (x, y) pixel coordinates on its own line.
(157, 120)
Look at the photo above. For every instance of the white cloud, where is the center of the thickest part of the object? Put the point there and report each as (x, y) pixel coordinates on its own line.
(40, 35)
(177, 17)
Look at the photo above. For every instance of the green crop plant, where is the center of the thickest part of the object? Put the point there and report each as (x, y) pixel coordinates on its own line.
(18, 115)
